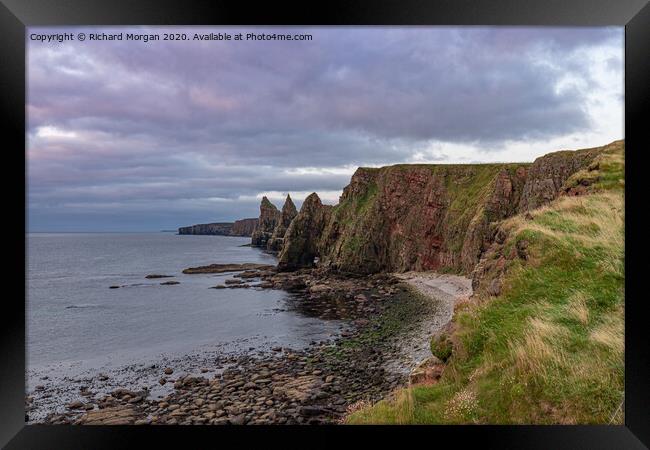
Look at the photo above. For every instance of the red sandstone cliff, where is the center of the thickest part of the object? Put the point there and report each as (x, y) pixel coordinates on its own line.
(243, 227)
(423, 217)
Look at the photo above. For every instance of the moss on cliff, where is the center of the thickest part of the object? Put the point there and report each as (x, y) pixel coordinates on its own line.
(468, 191)
(406, 217)
(365, 202)
(549, 346)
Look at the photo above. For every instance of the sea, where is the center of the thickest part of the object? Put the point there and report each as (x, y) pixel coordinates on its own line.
(76, 324)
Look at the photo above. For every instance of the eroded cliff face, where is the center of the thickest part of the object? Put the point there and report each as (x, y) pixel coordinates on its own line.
(563, 173)
(268, 220)
(549, 173)
(422, 217)
(302, 239)
(243, 227)
(220, 229)
(418, 217)
(289, 211)
(273, 224)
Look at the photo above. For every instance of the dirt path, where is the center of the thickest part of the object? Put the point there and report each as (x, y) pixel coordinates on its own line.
(443, 291)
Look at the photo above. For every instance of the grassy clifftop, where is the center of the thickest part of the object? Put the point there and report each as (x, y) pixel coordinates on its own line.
(548, 347)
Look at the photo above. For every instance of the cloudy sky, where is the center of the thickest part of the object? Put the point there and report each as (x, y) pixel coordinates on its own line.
(135, 136)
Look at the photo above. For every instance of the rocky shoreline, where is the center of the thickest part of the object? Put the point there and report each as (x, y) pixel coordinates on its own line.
(318, 384)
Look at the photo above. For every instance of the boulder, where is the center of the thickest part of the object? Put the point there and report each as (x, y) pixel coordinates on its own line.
(427, 372)
(118, 415)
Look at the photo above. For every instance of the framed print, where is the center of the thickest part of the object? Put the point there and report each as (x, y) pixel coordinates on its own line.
(328, 219)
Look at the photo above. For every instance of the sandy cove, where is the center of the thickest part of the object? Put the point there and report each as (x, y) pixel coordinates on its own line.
(443, 291)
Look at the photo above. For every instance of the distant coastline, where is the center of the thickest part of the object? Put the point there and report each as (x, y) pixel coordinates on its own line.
(242, 228)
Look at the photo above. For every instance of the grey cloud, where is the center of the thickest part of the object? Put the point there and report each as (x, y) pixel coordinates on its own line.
(192, 120)
(414, 84)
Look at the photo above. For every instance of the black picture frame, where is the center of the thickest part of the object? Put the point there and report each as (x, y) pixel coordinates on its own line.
(16, 15)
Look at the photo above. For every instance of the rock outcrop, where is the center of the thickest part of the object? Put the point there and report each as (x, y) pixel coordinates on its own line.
(549, 173)
(418, 217)
(289, 211)
(422, 217)
(220, 228)
(573, 173)
(225, 268)
(273, 224)
(268, 220)
(243, 227)
(302, 239)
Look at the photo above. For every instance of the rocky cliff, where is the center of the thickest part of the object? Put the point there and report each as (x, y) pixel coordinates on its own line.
(268, 220)
(243, 227)
(303, 237)
(549, 173)
(289, 211)
(422, 217)
(272, 224)
(221, 228)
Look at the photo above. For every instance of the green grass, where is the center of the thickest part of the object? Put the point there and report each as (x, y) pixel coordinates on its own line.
(441, 347)
(549, 349)
(365, 202)
(399, 312)
(353, 243)
(467, 194)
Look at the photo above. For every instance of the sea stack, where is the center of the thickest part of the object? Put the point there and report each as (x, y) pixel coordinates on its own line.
(289, 211)
(268, 220)
(301, 244)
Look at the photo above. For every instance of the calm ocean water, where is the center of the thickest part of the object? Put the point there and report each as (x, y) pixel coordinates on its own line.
(73, 316)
